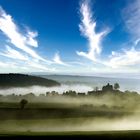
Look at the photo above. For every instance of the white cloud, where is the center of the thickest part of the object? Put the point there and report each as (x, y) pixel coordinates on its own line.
(29, 59)
(126, 58)
(58, 60)
(77, 63)
(10, 29)
(137, 42)
(37, 65)
(131, 15)
(30, 38)
(12, 53)
(87, 28)
(8, 65)
(30, 65)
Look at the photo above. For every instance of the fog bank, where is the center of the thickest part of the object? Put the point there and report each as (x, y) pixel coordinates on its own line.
(72, 124)
(42, 90)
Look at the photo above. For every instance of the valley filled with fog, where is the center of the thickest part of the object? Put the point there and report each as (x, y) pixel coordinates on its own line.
(74, 83)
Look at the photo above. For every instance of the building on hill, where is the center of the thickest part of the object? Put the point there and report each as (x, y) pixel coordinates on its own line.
(108, 87)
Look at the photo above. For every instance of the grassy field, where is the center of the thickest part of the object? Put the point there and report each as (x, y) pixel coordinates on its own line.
(72, 117)
(34, 110)
(78, 135)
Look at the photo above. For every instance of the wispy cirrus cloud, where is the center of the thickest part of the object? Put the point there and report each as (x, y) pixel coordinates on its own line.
(19, 40)
(24, 66)
(23, 46)
(126, 58)
(129, 58)
(38, 66)
(12, 53)
(6, 65)
(19, 49)
(31, 38)
(87, 28)
(57, 60)
(131, 16)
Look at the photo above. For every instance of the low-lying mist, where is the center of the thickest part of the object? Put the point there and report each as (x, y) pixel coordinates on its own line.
(42, 90)
(106, 112)
(71, 124)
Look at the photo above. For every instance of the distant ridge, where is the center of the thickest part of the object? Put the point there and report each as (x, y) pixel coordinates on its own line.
(23, 80)
(105, 75)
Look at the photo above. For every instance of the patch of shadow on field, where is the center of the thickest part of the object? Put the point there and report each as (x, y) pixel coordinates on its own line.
(44, 113)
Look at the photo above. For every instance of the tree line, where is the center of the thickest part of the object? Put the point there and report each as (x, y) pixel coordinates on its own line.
(113, 89)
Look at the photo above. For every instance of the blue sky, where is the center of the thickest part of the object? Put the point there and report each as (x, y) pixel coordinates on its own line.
(87, 37)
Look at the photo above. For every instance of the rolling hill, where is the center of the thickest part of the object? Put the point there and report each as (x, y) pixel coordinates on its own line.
(23, 80)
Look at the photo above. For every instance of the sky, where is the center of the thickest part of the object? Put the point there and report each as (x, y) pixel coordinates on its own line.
(85, 37)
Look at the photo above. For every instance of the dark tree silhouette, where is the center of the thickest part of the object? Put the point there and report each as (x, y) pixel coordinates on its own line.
(70, 93)
(23, 102)
(116, 86)
(108, 87)
(23, 80)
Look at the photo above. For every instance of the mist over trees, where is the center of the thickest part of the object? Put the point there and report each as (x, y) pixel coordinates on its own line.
(106, 89)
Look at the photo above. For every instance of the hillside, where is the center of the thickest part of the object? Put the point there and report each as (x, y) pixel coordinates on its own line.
(22, 80)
